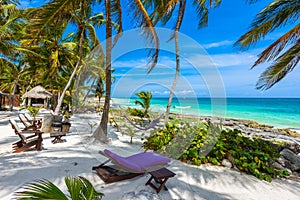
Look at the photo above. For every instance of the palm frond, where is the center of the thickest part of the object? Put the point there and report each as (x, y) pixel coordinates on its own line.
(283, 65)
(275, 48)
(41, 189)
(73, 185)
(144, 21)
(168, 11)
(202, 10)
(88, 191)
(275, 15)
(28, 51)
(92, 34)
(50, 13)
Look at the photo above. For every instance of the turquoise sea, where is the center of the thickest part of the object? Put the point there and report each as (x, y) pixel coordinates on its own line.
(278, 112)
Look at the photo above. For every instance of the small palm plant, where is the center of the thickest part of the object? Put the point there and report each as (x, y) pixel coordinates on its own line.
(79, 188)
(34, 110)
(145, 98)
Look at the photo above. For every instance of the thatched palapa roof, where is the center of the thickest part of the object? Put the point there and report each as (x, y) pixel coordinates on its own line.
(37, 92)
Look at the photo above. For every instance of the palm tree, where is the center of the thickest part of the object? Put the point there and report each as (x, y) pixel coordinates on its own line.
(11, 78)
(78, 187)
(62, 13)
(113, 11)
(163, 12)
(145, 101)
(10, 25)
(284, 52)
(51, 59)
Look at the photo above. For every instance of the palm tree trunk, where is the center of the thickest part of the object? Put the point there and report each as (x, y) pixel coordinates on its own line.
(178, 24)
(101, 132)
(60, 100)
(175, 79)
(89, 90)
(12, 96)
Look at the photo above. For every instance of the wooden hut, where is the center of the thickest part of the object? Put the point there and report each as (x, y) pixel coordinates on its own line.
(37, 96)
(2, 99)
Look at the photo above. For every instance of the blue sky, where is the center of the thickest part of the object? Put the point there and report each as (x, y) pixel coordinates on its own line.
(210, 66)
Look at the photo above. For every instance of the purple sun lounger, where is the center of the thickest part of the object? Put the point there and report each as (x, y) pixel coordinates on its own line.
(129, 167)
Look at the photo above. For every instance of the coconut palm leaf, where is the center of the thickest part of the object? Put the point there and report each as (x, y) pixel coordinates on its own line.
(145, 23)
(202, 10)
(275, 15)
(283, 65)
(78, 187)
(47, 15)
(278, 46)
(42, 189)
(284, 50)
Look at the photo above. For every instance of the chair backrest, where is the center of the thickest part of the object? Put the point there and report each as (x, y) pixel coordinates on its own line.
(24, 120)
(15, 126)
(28, 117)
(17, 129)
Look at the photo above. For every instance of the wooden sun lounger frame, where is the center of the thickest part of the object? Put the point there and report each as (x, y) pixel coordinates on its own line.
(110, 174)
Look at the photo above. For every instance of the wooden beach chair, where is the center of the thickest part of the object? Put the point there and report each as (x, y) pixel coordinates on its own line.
(28, 125)
(35, 139)
(129, 167)
(32, 120)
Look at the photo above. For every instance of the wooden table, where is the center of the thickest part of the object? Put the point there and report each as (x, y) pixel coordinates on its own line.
(160, 176)
(57, 137)
(56, 133)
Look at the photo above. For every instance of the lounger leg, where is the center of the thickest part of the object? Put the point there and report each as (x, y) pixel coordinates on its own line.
(149, 181)
(161, 182)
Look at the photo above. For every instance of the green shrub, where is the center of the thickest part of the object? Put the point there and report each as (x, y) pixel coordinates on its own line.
(251, 156)
(136, 112)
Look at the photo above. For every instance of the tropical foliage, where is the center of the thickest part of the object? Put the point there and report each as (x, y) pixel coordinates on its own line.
(79, 188)
(144, 101)
(211, 144)
(284, 52)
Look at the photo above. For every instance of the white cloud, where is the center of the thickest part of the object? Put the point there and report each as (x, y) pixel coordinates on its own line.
(130, 63)
(217, 44)
(223, 60)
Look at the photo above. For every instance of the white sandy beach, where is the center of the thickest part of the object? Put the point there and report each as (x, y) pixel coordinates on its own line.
(80, 152)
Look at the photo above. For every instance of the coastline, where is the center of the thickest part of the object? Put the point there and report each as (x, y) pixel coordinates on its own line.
(285, 115)
(235, 122)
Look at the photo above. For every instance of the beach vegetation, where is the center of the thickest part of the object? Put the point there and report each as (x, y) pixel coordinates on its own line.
(34, 110)
(136, 112)
(144, 101)
(78, 188)
(282, 54)
(209, 143)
